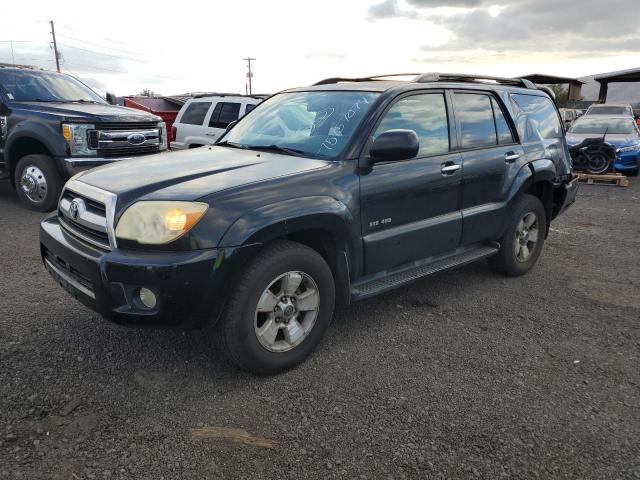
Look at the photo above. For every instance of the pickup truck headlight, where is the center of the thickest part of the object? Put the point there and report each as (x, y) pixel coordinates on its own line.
(159, 222)
(630, 148)
(163, 135)
(77, 136)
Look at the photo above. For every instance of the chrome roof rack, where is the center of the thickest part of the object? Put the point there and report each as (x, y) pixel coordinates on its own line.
(464, 77)
(328, 81)
(436, 77)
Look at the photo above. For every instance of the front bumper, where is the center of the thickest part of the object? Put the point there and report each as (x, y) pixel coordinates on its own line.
(627, 161)
(190, 286)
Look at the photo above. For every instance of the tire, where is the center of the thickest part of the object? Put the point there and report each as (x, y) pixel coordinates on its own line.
(512, 259)
(38, 182)
(246, 336)
(632, 173)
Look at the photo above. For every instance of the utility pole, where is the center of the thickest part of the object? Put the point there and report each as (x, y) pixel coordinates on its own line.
(55, 46)
(249, 73)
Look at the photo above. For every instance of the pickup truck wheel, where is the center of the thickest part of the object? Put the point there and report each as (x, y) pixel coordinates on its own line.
(522, 242)
(280, 307)
(38, 183)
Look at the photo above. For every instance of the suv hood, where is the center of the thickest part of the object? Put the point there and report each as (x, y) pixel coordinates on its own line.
(193, 174)
(87, 112)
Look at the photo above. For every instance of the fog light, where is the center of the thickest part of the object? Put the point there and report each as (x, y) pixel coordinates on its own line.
(147, 297)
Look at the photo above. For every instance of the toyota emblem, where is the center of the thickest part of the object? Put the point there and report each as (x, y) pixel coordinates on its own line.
(76, 208)
(136, 139)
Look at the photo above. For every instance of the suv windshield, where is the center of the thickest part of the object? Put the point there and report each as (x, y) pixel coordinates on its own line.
(602, 125)
(40, 86)
(317, 124)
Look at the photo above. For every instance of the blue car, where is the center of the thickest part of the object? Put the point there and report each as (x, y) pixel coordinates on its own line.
(620, 131)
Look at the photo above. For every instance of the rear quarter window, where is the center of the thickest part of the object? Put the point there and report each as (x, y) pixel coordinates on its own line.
(536, 117)
(195, 112)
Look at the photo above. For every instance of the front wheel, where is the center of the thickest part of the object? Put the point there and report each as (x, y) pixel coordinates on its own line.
(279, 308)
(522, 243)
(38, 183)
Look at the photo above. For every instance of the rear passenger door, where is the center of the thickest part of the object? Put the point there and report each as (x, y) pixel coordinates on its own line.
(491, 158)
(222, 115)
(191, 124)
(410, 209)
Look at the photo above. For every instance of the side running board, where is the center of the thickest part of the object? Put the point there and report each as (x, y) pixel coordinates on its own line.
(389, 280)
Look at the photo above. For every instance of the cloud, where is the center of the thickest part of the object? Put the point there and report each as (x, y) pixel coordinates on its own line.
(326, 56)
(515, 27)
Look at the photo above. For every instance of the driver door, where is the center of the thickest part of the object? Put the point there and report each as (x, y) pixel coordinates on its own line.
(410, 209)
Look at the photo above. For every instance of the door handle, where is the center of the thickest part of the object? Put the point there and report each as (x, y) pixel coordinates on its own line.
(210, 134)
(511, 157)
(449, 169)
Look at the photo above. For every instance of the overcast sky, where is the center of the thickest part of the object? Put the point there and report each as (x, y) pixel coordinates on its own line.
(198, 46)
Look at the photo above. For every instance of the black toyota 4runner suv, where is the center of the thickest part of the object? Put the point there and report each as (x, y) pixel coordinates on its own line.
(324, 194)
(53, 126)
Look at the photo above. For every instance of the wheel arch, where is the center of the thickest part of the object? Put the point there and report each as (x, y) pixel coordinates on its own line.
(322, 223)
(29, 138)
(536, 178)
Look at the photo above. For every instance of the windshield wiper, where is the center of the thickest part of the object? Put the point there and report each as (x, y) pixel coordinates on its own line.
(277, 148)
(82, 100)
(231, 144)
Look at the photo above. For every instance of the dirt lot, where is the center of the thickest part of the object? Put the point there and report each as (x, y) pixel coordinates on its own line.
(465, 375)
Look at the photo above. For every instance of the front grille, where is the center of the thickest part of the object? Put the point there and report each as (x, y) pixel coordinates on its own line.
(125, 139)
(127, 151)
(84, 218)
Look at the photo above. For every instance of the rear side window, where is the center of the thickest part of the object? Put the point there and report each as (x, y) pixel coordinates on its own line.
(249, 107)
(502, 127)
(224, 114)
(424, 114)
(537, 118)
(195, 113)
(475, 115)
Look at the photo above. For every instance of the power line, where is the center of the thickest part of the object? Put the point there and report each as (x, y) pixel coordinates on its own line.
(104, 54)
(98, 45)
(105, 38)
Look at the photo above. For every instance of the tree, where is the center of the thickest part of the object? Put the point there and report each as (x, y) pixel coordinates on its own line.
(147, 92)
(562, 94)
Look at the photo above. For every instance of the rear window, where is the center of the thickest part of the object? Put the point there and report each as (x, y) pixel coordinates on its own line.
(475, 115)
(249, 107)
(536, 117)
(195, 113)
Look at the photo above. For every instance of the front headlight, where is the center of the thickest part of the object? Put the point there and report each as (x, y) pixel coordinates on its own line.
(630, 148)
(158, 222)
(163, 135)
(77, 136)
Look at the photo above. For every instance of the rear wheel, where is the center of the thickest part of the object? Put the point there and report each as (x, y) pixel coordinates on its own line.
(280, 307)
(522, 243)
(38, 183)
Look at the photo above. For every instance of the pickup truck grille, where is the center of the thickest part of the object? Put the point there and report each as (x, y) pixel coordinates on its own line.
(125, 139)
(84, 219)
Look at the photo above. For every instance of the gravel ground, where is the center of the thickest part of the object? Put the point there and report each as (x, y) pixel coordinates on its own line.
(465, 375)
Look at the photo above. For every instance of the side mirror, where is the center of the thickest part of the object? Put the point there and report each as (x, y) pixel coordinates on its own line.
(111, 99)
(398, 144)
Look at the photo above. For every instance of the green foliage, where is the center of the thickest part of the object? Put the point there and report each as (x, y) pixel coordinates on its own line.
(562, 94)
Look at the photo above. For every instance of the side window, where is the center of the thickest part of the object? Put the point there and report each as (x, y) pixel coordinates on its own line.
(195, 113)
(224, 114)
(475, 115)
(424, 114)
(502, 127)
(249, 107)
(537, 117)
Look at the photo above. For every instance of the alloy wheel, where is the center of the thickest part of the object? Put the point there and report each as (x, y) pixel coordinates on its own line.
(526, 237)
(287, 311)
